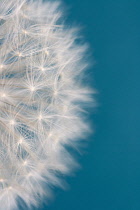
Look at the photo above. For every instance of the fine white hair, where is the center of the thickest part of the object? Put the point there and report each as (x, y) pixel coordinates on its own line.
(42, 96)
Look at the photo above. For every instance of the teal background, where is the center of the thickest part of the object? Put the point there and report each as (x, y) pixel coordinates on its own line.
(110, 174)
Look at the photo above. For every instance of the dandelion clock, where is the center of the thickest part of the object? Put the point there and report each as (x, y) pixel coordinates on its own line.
(42, 100)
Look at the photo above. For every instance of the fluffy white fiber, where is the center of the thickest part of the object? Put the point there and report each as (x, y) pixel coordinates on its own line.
(41, 98)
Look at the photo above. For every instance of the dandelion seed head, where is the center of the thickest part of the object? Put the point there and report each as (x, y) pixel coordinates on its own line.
(41, 100)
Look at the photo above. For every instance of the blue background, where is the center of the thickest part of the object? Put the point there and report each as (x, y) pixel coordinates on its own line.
(110, 175)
